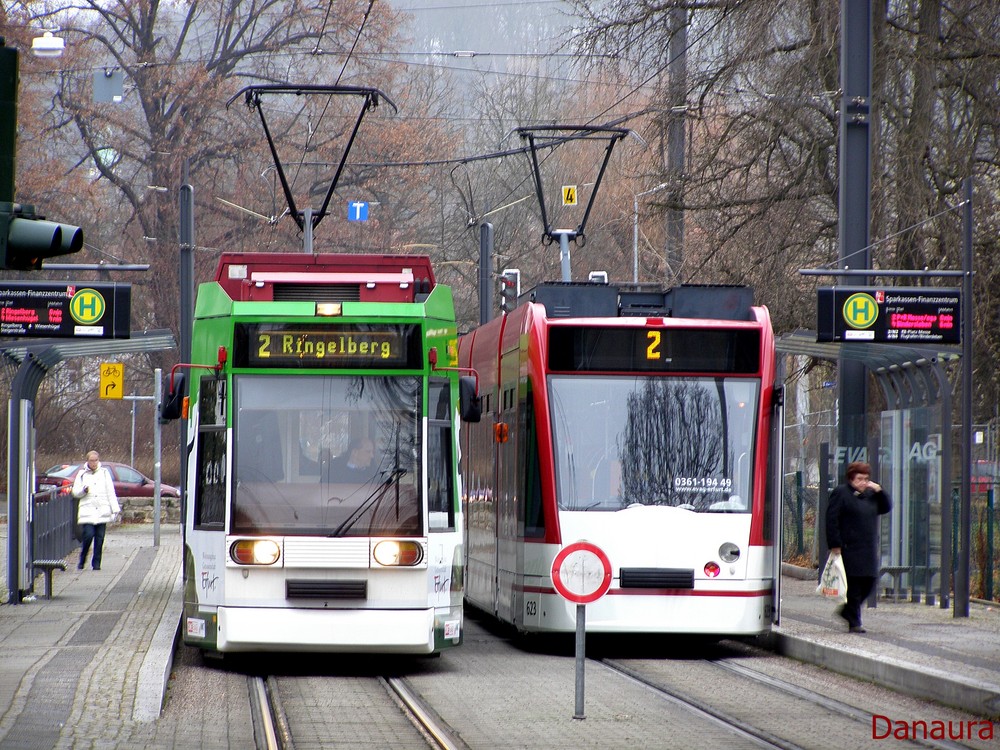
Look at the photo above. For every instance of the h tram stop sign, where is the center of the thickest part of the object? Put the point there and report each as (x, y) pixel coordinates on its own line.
(581, 573)
(87, 309)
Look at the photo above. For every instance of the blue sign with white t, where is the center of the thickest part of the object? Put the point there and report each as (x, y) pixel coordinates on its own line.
(357, 211)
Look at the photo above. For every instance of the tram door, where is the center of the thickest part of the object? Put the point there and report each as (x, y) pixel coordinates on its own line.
(508, 607)
(776, 457)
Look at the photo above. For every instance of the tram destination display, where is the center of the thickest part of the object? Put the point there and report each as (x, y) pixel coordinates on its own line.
(86, 309)
(324, 346)
(889, 315)
(598, 348)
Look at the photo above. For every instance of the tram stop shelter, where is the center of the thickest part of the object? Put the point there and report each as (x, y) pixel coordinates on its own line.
(30, 360)
(910, 450)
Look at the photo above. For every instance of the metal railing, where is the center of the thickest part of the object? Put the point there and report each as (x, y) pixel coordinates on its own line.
(53, 518)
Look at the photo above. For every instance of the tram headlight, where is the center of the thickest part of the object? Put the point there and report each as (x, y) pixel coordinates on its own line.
(393, 552)
(712, 569)
(729, 552)
(255, 551)
(327, 309)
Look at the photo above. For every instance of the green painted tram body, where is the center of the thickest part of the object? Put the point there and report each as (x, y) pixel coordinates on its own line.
(301, 367)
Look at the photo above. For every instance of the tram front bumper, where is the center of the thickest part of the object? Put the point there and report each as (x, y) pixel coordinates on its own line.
(323, 630)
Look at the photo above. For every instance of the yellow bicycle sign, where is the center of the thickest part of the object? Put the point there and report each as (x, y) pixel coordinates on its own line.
(112, 380)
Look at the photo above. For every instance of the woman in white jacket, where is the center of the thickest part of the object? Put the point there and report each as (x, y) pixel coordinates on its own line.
(95, 488)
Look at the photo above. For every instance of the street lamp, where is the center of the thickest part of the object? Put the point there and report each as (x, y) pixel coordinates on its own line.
(47, 45)
(635, 228)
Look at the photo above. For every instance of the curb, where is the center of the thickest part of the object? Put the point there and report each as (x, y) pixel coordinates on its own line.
(802, 574)
(904, 677)
(154, 674)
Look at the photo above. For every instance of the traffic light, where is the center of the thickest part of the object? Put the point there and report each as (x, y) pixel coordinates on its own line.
(510, 288)
(26, 239)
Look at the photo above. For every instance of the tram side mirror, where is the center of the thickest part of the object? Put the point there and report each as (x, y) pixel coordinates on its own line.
(470, 405)
(173, 404)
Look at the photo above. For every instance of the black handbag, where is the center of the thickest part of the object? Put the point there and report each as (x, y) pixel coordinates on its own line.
(77, 527)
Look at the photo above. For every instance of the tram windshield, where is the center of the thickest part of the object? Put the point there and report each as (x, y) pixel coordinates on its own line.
(684, 442)
(327, 455)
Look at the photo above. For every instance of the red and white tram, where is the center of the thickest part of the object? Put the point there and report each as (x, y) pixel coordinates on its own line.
(646, 423)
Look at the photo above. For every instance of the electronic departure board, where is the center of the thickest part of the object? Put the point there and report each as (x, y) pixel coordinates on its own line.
(707, 350)
(904, 315)
(87, 309)
(310, 345)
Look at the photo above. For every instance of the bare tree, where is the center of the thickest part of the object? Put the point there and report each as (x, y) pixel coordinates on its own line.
(113, 167)
(760, 184)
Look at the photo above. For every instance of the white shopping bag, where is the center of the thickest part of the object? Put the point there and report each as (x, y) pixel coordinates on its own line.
(833, 582)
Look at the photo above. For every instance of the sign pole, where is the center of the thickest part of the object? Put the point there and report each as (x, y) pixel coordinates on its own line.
(157, 451)
(157, 399)
(581, 573)
(581, 656)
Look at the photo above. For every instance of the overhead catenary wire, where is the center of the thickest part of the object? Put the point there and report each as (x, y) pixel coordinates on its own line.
(496, 154)
(357, 36)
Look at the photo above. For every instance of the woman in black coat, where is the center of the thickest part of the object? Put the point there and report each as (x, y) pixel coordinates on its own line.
(852, 531)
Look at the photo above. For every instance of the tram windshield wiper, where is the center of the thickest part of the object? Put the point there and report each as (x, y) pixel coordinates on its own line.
(371, 502)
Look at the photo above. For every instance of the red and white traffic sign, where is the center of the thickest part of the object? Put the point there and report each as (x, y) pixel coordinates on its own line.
(581, 572)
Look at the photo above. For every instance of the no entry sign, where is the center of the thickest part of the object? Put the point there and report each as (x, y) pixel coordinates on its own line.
(581, 573)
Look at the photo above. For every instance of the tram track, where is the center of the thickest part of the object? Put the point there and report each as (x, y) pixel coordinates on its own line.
(495, 694)
(275, 730)
(426, 718)
(760, 680)
(714, 715)
(797, 691)
(270, 724)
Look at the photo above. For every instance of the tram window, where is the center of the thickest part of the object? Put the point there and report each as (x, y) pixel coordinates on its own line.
(439, 401)
(310, 444)
(321, 437)
(210, 493)
(534, 520)
(440, 489)
(287, 428)
(212, 402)
(260, 445)
(682, 442)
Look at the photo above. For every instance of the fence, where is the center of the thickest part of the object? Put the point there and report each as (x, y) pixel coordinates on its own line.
(798, 519)
(984, 580)
(53, 518)
(799, 530)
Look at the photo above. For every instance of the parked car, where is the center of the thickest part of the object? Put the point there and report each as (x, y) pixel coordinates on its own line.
(985, 476)
(129, 482)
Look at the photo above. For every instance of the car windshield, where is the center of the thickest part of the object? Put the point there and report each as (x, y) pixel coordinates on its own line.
(62, 470)
(685, 442)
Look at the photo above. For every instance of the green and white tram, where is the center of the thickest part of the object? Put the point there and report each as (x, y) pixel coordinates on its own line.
(321, 510)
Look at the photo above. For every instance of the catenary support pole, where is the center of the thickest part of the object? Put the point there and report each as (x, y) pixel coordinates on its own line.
(962, 589)
(854, 198)
(187, 307)
(485, 273)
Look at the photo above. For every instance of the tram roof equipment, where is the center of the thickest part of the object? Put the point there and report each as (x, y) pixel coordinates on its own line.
(573, 299)
(325, 277)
